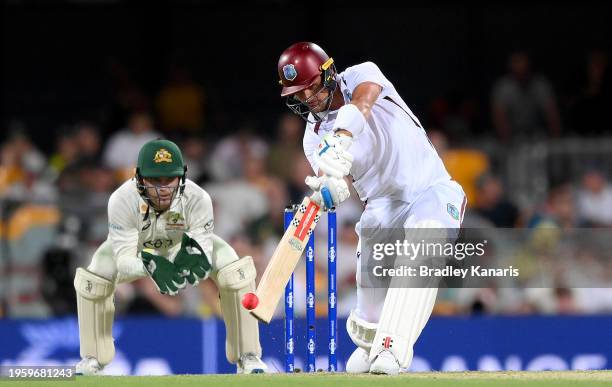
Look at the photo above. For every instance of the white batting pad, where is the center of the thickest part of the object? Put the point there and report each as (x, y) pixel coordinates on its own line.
(404, 315)
(235, 280)
(96, 312)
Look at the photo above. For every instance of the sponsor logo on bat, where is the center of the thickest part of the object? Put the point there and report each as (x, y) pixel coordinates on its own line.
(301, 232)
(297, 246)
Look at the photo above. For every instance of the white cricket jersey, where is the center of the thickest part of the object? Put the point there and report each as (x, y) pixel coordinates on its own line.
(134, 226)
(392, 157)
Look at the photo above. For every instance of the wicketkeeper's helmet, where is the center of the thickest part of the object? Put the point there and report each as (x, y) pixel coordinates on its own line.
(160, 158)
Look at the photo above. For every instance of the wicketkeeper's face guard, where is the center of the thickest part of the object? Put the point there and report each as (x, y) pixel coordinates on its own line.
(160, 192)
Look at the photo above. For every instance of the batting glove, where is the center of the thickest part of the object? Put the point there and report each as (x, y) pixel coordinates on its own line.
(333, 157)
(328, 191)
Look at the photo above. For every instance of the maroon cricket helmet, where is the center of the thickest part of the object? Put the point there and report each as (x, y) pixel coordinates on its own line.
(300, 65)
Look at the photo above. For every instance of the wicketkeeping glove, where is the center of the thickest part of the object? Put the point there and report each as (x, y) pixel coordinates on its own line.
(163, 273)
(191, 262)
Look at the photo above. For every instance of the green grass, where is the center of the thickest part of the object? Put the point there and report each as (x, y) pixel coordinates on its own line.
(429, 379)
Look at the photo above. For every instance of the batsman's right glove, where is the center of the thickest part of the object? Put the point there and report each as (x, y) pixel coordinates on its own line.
(328, 191)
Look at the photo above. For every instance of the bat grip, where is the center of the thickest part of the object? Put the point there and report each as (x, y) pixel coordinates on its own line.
(327, 197)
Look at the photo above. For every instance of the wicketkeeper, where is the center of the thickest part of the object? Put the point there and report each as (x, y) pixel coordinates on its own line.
(161, 226)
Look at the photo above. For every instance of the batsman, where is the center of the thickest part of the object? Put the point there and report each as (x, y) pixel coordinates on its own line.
(161, 227)
(358, 128)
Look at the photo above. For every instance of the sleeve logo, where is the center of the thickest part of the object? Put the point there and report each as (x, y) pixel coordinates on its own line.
(452, 211)
(115, 226)
(209, 226)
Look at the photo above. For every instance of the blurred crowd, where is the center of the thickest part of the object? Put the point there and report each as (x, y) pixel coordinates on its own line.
(53, 203)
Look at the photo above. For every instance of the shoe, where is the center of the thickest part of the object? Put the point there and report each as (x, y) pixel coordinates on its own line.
(385, 364)
(358, 362)
(88, 366)
(249, 363)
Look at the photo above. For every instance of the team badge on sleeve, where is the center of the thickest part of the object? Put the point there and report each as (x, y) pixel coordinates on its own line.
(162, 156)
(209, 226)
(289, 72)
(453, 211)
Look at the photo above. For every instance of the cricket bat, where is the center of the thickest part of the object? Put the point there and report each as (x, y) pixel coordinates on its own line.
(285, 259)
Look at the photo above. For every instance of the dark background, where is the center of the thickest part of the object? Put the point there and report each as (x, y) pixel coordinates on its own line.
(57, 58)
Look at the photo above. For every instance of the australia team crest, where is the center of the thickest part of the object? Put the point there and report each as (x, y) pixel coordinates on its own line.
(174, 220)
(162, 156)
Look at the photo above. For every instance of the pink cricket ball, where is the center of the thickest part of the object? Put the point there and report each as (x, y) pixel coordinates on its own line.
(250, 301)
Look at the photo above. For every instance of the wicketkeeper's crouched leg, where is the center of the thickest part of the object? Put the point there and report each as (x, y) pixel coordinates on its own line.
(96, 312)
(235, 277)
(95, 287)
